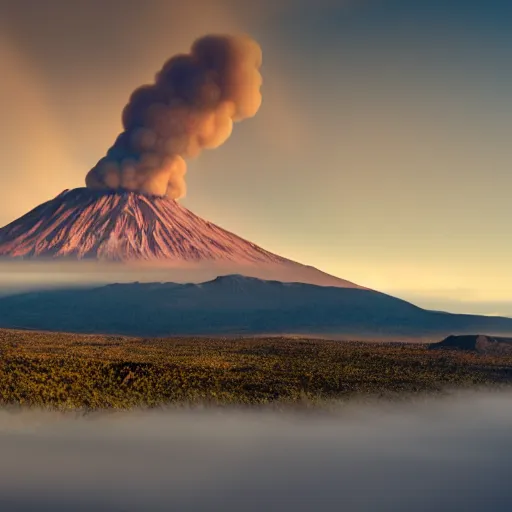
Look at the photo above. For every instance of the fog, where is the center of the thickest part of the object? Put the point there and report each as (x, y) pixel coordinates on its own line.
(443, 454)
(26, 276)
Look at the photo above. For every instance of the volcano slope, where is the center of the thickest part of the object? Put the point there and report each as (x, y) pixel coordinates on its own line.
(236, 305)
(129, 227)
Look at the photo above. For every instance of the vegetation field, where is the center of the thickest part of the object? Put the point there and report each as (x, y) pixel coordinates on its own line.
(91, 372)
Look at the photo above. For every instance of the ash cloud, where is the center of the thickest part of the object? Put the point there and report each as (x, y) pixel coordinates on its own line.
(191, 106)
(443, 455)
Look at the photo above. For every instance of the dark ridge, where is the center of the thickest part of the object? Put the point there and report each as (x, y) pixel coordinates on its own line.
(475, 343)
(237, 305)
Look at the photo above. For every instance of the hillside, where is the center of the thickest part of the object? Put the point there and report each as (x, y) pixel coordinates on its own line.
(233, 305)
(128, 227)
(476, 343)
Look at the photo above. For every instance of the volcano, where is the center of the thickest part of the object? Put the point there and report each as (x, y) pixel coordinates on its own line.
(122, 226)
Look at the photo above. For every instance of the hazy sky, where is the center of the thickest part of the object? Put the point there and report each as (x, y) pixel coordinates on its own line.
(381, 153)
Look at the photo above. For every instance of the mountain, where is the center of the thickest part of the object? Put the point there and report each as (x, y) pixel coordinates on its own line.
(476, 343)
(82, 224)
(233, 305)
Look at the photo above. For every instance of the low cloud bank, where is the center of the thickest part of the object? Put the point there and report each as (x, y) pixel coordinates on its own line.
(444, 454)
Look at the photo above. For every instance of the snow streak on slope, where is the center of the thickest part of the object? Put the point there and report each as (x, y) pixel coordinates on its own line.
(81, 224)
(85, 224)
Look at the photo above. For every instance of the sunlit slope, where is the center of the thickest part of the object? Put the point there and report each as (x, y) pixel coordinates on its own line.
(129, 227)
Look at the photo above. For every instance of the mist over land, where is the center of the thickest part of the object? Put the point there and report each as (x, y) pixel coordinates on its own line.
(445, 454)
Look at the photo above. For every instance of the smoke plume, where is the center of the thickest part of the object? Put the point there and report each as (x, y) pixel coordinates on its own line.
(192, 106)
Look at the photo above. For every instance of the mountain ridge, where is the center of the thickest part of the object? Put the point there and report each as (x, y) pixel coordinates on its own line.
(235, 305)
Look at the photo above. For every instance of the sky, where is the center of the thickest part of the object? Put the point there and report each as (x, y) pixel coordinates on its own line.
(381, 152)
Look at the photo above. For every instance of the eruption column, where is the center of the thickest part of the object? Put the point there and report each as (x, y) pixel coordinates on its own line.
(192, 106)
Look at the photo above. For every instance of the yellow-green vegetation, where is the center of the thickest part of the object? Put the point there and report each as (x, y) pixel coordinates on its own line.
(79, 371)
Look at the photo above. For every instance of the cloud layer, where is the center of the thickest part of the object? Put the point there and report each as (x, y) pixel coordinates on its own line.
(448, 454)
